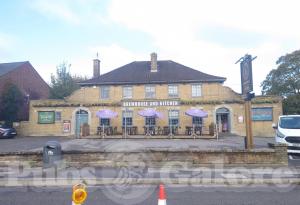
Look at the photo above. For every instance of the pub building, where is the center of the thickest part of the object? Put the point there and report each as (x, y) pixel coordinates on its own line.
(155, 97)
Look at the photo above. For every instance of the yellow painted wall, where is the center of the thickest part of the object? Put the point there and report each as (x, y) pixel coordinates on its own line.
(88, 98)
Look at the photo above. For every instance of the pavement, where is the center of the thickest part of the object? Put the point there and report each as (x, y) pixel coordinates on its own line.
(37, 143)
(147, 195)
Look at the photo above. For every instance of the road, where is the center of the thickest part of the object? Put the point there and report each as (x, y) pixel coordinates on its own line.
(147, 195)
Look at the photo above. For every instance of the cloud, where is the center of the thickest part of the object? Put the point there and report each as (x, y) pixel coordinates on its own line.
(6, 41)
(175, 28)
(77, 12)
(111, 56)
(206, 35)
(56, 9)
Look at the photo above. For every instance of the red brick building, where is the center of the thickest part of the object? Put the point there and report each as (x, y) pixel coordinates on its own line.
(30, 83)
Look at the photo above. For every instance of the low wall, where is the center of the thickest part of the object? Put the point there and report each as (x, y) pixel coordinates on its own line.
(271, 157)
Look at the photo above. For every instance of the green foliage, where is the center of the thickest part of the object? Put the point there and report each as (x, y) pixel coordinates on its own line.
(291, 105)
(285, 80)
(63, 83)
(11, 102)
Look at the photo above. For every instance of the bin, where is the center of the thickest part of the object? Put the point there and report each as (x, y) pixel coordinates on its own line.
(51, 153)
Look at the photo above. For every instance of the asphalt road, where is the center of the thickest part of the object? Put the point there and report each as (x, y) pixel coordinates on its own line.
(147, 195)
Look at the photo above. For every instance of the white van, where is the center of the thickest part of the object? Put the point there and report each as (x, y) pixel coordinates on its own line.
(288, 132)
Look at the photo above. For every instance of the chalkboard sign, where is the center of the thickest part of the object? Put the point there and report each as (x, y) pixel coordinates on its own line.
(262, 114)
(46, 117)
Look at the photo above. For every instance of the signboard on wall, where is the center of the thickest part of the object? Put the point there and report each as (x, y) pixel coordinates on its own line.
(246, 74)
(46, 117)
(154, 103)
(66, 126)
(262, 114)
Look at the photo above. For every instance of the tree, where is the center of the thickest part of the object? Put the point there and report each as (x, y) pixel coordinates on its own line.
(11, 101)
(63, 84)
(285, 81)
(291, 104)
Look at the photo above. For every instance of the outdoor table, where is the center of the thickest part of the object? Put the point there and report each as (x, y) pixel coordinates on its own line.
(104, 130)
(166, 130)
(198, 129)
(149, 130)
(194, 130)
(188, 130)
(131, 130)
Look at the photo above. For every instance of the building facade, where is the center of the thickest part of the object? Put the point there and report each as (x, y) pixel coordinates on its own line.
(165, 86)
(27, 79)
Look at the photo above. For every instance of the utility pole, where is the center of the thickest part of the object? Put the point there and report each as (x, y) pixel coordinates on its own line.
(247, 92)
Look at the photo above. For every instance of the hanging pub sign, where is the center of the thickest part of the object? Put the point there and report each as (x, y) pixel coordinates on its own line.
(246, 74)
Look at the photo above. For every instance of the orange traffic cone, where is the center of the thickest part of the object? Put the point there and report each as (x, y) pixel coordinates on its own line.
(162, 199)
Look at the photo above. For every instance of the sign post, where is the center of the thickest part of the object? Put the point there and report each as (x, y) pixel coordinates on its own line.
(247, 88)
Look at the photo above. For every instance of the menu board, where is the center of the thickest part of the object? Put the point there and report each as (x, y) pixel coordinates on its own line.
(262, 114)
(46, 117)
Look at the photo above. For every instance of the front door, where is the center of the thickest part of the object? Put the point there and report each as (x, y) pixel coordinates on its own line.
(223, 120)
(82, 117)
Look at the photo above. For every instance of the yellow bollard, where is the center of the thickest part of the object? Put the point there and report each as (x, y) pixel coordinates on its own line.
(79, 194)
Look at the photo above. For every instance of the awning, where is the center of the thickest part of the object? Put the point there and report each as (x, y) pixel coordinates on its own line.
(106, 114)
(196, 113)
(150, 113)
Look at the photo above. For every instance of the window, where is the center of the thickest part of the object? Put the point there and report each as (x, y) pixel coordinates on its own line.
(196, 90)
(197, 121)
(104, 121)
(173, 117)
(57, 116)
(127, 116)
(173, 90)
(150, 121)
(150, 91)
(104, 92)
(127, 92)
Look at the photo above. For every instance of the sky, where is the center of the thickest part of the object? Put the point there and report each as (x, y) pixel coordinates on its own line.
(209, 36)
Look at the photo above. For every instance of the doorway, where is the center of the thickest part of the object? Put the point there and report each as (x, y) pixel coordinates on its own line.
(223, 119)
(82, 117)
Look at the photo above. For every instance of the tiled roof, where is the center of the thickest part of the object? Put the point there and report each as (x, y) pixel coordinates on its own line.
(138, 72)
(7, 67)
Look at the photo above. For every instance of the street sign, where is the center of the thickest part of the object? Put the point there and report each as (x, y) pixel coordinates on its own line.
(246, 74)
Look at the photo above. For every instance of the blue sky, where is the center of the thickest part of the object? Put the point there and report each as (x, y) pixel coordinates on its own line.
(206, 35)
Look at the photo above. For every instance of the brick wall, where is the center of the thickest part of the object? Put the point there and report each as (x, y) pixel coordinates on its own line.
(29, 82)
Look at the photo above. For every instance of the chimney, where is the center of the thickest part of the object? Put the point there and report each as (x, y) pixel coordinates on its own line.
(96, 72)
(153, 62)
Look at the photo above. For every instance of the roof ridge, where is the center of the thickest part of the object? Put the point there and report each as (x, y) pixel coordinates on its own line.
(138, 72)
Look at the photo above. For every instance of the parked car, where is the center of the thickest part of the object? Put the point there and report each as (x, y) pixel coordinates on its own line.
(7, 132)
(288, 132)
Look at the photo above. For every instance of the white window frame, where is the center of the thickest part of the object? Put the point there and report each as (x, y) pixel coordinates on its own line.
(196, 90)
(127, 92)
(101, 92)
(172, 95)
(172, 116)
(150, 91)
